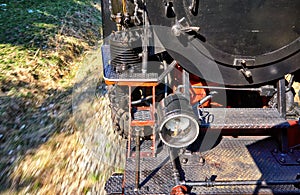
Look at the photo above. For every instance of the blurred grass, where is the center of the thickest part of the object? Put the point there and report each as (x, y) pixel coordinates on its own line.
(41, 46)
(39, 40)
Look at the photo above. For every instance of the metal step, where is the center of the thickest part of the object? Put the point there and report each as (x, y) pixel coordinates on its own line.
(133, 77)
(242, 118)
(114, 184)
(142, 118)
(234, 160)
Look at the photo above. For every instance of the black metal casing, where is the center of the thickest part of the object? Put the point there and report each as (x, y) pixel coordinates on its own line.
(265, 34)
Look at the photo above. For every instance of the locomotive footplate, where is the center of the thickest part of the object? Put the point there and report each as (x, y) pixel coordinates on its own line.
(243, 118)
(235, 166)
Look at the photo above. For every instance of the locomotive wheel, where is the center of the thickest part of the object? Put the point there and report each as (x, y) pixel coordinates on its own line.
(119, 109)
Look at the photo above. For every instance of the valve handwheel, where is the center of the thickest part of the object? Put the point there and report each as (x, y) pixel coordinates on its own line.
(179, 190)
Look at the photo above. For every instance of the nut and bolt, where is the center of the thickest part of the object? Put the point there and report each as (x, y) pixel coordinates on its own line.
(282, 160)
(202, 161)
(184, 160)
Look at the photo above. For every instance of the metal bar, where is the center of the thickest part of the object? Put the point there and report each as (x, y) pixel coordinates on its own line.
(246, 182)
(137, 158)
(281, 98)
(145, 41)
(228, 88)
(284, 145)
(281, 102)
(145, 98)
(167, 71)
(205, 99)
(130, 128)
(290, 83)
(166, 78)
(176, 176)
(153, 118)
(186, 84)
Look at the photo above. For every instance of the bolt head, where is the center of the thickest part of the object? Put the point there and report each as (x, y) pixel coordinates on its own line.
(184, 160)
(202, 161)
(282, 160)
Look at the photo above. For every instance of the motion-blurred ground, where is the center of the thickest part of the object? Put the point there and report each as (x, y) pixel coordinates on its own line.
(43, 147)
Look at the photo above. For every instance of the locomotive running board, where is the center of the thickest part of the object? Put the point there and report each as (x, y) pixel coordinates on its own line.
(233, 161)
(243, 119)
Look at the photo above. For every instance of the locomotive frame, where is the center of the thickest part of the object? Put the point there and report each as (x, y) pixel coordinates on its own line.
(166, 106)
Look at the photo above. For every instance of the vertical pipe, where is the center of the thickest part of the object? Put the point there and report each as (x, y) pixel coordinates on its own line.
(173, 155)
(186, 84)
(281, 102)
(281, 98)
(153, 118)
(137, 159)
(130, 128)
(166, 78)
(145, 40)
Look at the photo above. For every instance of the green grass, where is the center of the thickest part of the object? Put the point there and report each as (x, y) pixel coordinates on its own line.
(39, 40)
(41, 45)
(34, 21)
(93, 177)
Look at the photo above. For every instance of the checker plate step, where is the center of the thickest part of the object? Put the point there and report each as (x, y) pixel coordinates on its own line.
(142, 115)
(243, 118)
(233, 159)
(127, 76)
(114, 184)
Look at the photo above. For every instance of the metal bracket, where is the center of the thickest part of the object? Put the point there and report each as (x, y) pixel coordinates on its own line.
(240, 61)
(290, 158)
(169, 9)
(267, 90)
(182, 26)
(192, 7)
(167, 71)
(244, 63)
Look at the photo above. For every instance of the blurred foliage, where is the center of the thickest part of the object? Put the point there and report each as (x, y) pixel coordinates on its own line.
(41, 46)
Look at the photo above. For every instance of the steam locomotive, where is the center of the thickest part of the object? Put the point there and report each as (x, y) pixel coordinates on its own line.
(202, 91)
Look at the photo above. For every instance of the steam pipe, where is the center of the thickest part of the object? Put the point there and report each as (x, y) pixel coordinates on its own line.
(235, 183)
(145, 41)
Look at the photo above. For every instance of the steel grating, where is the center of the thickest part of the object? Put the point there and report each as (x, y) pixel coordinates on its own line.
(142, 115)
(145, 145)
(232, 159)
(128, 76)
(243, 118)
(114, 184)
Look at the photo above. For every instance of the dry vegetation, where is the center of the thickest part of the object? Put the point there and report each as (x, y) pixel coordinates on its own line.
(42, 142)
